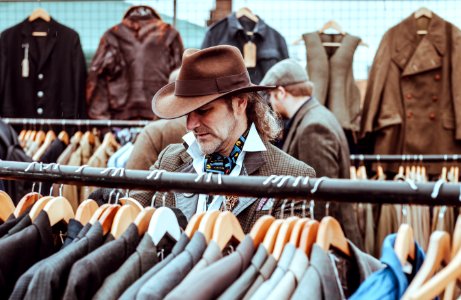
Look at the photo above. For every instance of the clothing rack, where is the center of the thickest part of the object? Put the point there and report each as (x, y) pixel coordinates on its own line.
(406, 158)
(286, 187)
(73, 122)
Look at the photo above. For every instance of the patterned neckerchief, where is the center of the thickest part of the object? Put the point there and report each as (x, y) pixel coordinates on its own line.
(217, 163)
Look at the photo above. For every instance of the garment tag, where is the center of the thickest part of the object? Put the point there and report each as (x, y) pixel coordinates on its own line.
(249, 54)
(25, 61)
(407, 268)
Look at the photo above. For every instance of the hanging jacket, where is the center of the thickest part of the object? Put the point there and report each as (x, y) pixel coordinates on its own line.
(133, 61)
(55, 84)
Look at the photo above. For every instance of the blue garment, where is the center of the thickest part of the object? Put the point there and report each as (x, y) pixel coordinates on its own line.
(390, 282)
(118, 160)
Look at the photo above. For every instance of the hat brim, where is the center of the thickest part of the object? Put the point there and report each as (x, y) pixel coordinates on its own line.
(167, 105)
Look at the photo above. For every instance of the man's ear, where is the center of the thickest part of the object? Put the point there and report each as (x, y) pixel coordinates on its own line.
(280, 93)
(239, 103)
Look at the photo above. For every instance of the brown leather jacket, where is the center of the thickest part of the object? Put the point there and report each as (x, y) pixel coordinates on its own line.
(133, 61)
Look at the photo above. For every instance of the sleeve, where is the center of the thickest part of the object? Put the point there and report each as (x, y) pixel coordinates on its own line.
(455, 52)
(176, 50)
(145, 151)
(208, 40)
(79, 81)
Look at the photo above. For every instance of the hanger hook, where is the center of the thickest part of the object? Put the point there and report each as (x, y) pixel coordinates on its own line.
(405, 214)
(317, 184)
(306, 181)
(153, 199)
(292, 207)
(297, 181)
(60, 189)
(311, 209)
(437, 187)
(199, 177)
(411, 183)
(219, 178)
(32, 164)
(268, 179)
(208, 177)
(283, 208)
(305, 202)
(107, 171)
(110, 196)
(327, 208)
(80, 169)
(117, 197)
(283, 180)
(164, 199)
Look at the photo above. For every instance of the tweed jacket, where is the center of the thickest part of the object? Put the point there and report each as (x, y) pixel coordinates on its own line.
(153, 139)
(316, 138)
(413, 94)
(333, 77)
(271, 162)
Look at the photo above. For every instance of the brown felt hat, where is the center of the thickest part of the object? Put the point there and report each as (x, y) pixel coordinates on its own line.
(205, 75)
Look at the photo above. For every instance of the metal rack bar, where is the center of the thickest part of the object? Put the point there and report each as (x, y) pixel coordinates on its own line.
(406, 158)
(72, 122)
(340, 190)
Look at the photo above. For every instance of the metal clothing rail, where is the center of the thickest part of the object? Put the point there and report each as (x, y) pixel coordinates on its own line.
(406, 158)
(286, 187)
(73, 122)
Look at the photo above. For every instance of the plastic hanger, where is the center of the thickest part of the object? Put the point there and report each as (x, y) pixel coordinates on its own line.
(207, 224)
(49, 138)
(27, 201)
(271, 236)
(439, 250)
(309, 236)
(295, 237)
(143, 219)
(6, 206)
(163, 222)
(246, 12)
(260, 229)
(404, 246)
(107, 217)
(98, 213)
(124, 217)
(85, 211)
(39, 206)
(59, 209)
(283, 236)
(330, 235)
(227, 228)
(194, 224)
(39, 13)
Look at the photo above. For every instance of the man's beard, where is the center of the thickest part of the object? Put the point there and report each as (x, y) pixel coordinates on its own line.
(216, 143)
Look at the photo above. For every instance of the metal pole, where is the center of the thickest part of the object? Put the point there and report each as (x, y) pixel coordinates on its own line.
(73, 122)
(406, 158)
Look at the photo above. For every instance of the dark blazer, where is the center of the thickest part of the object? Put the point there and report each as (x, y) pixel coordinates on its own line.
(55, 87)
(210, 282)
(134, 267)
(133, 290)
(413, 91)
(316, 138)
(159, 285)
(88, 274)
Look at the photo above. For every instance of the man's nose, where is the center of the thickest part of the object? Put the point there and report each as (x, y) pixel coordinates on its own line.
(192, 121)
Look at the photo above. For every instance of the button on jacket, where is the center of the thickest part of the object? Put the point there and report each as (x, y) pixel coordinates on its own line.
(390, 282)
(270, 45)
(210, 282)
(55, 86)
(174, 272)
(88, 274)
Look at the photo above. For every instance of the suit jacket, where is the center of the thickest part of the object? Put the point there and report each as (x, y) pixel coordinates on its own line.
(55, 86)
(210, 282)
(134, 267)
(333, 77)
(153, 139)
(132, 291)
(316, 138)
(212, 253)
(264, 273)
(88, 274)
(174, 272)
(273, 161)
(319, 280)
(238, 289)
(413, 91)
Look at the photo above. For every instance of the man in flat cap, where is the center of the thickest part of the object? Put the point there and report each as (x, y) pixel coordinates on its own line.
(312, 134)
(230, 129)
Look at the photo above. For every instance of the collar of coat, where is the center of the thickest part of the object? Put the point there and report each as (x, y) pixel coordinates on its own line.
(415, 54)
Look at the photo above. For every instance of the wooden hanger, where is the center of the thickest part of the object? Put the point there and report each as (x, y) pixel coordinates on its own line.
(449, 293)
(423, 12)
(39, 13)
(404, 246)
(22, 135)
(26, 202)
(85, 211)
(260, 229)
(59, 209)
(64, 137)
(163, 222)
(98, 213)
(124, 217)
(309, 236)
(439, 250)
(6, 206)
(246, 12)
(89, 137)
(283, 237)
(143, 219)
(40, 137)
(330, 235)
(132, 202)
(295, 237)
(107, 218)
(38, 207)
(49, 138)
(271, 236)
(207, 224)
(109, 140)
(194, 224)
(226, 228)
(77, 136)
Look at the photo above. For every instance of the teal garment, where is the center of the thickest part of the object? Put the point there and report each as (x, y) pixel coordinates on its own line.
(390, 282)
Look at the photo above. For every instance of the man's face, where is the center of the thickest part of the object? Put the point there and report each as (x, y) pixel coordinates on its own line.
(213, 126)
(276, 103)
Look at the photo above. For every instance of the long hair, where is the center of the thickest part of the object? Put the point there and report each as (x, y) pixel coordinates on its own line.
(259, 113)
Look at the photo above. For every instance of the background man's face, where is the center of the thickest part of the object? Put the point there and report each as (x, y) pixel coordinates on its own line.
(212, 125)
(276, 104)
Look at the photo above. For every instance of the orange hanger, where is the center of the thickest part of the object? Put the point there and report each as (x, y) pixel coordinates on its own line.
(77, 136)
(283, 236)
(207, 224)
(107, 217)
(59, 209)
(295, 237)
(38, 207)
(98, 213)
(89, 136)
(49, 138)
(27, 201)
(39, 13)
(271, 235)
(143, 219)
(85, 211)
(124, 217)
(260, 229)
(64, 137)
(227, 228)
(404, 246)
(330, 234)
(309, 236)
(131, 201)
(6, 206)
(194, 224)
(40, 137)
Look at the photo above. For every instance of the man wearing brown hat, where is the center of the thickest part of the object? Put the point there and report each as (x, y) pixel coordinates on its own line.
(312, 134)
(230, 128)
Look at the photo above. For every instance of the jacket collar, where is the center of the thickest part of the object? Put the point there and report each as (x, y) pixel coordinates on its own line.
(312, 103)
(322, 265)
(235, 26)
(414, 54)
